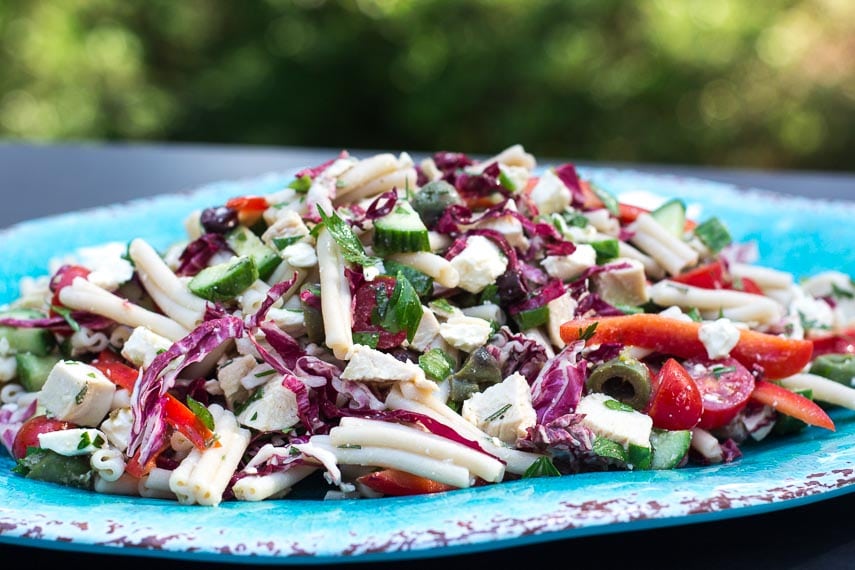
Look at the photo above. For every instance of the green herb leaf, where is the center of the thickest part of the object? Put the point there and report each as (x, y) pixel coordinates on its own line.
(343, 235)
(437, 364)
(81, 395)
(588, 332)
(421, 282)
(498, 413)
(695, 314)
(282, 242)
(605, 447)
(369, 339)
(85, 440)
(301, 185)
(541, 467)
(404, 312)
(618, 406)
(719, 371)
(841, 293)
(65, 313)
(201, 412)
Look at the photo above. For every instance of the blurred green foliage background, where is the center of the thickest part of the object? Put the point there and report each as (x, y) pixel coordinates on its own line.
(719, 82)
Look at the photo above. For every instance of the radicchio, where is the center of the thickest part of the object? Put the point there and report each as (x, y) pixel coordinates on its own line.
(568, 175)
(199, 252)
(568, 442)
(517, 353)
(558, 388)
(12, 417)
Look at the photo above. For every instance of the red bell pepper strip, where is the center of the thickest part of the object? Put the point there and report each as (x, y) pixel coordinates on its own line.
(778, 356)
(398, 483)
(714, 275)
(790, 403)
(248, 208)
(840, 343)
(182, 418)
(627, 213)
(115, 369)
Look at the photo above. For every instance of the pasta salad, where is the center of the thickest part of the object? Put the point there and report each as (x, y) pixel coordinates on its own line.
(381, 326)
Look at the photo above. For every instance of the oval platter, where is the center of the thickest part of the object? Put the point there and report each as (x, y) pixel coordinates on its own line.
(795, 234)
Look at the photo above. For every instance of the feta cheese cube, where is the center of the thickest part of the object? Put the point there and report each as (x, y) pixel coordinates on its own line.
(117, 427)
(76, 392)
(427, 332)
(143, 346)
(569, 267)
(273, 409)
(466, 333)
(479, 264)
(300, 254)
(502, 410)
(369, 365)
(74, 441)
(718, 337)
(561, 309)
(612, 420)
(550, 194)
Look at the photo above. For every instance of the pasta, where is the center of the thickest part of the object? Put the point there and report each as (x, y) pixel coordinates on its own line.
(378, 327)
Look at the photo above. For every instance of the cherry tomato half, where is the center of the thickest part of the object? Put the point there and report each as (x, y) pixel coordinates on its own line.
(368, 297)
(676, 403)
(28, 434)
(64, 277)
(725, 386)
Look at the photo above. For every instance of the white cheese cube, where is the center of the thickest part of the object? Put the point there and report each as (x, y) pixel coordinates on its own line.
(76, 392)
(718, 337)
(479, 264)
(143, 346)
(107, 263)
(274, 409)
(502, 410)
(117, 427)
(74, 441)
(624, 283)
(561, 309)
(427, 332)
(569, 267)
(300, 254)
(550, 194)
(608, 418)
(369, 365)
(466, 333)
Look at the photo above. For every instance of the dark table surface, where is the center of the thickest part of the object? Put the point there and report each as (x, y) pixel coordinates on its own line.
(40, 180)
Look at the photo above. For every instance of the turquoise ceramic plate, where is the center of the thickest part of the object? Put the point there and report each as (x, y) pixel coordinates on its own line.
(797, 235)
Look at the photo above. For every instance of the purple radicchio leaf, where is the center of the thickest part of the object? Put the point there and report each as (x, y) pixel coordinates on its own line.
(149, 429)
(315, 171)
(450, 163)
(198, 253)
(60, 324)
(567, 441)
(308, 411)
(288, 349)
(517, 353)
(549, 292)
(12, 417)
(483, 184)
(558, 388)
(568, 175)
(382, 205)
(273, 295)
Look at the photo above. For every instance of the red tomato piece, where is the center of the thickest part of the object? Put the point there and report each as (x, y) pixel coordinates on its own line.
(365, 303)
(725, 386)
(400, 483)
(28, 434)
(709, 276)
(248, 203)
(676, 402)
(64, 277)
(116, 370)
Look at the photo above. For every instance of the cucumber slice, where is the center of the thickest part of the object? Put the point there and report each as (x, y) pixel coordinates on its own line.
(33, 340)
(669, 447)
(244, 242)
(432, 200)
(401, 230)
(33, 370)
(714, 234)
(225, 281)
(672, 216)
(639, 457)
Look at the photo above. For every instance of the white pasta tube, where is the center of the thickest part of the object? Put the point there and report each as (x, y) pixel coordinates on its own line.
(364, 172)
(514, 155)
(516, 461)
(273, 485)
(435, 266)
(651, 268)
(764, 277)
(668, 250)
(82, 295)
(335, 297)
(417, 464)
(735, 305)
(361, 432)
(168, 291)
(402, 178)
(155, 484)
(202, 476)
(822, 389)
(108, 463)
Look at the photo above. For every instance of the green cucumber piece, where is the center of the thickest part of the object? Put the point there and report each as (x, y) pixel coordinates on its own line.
(33, 369)
(639, 457)
(532, 318)
(713, 234)
(225, 281)
(837, 367)
(669, 447)
(33, 340)
(606, 250)
(244, 242)
(672, 216)
(401, 230)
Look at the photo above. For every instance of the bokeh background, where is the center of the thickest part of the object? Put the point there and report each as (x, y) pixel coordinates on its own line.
(746, 83)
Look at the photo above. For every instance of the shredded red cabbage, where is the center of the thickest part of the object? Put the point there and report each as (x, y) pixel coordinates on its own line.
(198, 253)
(517, 353)
(315, 171)
(558, 388)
